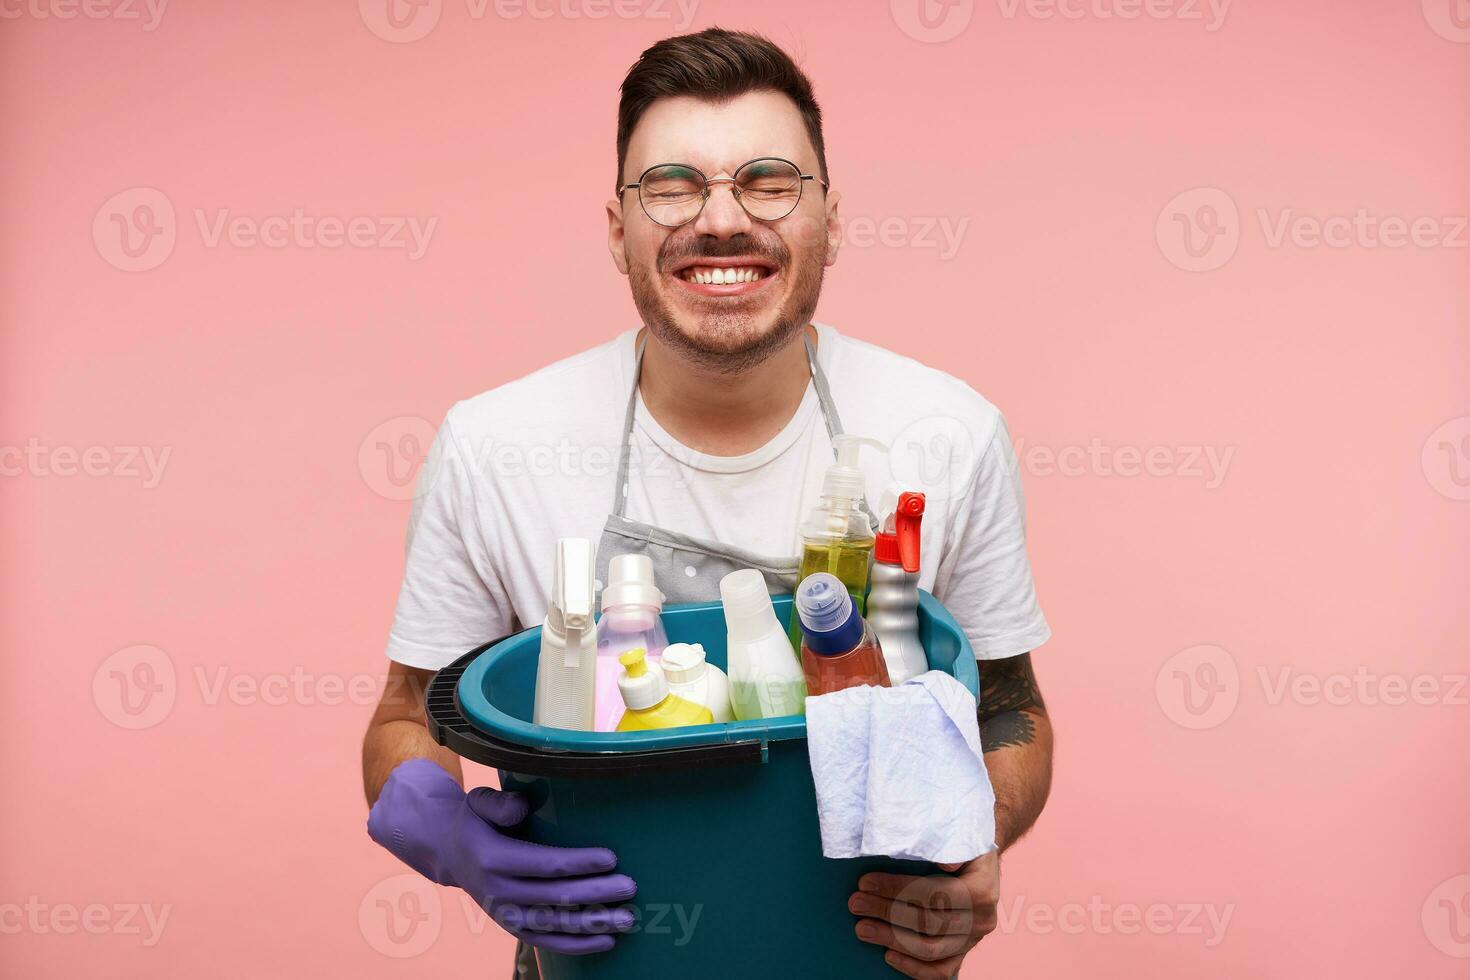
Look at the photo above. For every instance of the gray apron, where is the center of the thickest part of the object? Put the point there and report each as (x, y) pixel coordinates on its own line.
(686, 568)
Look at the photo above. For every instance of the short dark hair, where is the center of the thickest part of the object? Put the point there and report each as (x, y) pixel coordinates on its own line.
(716, 65)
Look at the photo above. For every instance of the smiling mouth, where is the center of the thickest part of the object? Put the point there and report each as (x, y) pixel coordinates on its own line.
(708, 275)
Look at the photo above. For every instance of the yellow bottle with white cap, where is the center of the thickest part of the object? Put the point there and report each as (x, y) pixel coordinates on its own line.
(649, 703)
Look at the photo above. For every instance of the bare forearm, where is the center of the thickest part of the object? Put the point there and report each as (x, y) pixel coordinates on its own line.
(399, 731)
(1015, 732)
(1020, 773)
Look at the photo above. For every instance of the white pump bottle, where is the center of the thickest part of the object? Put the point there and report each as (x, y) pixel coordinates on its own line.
(567, 668)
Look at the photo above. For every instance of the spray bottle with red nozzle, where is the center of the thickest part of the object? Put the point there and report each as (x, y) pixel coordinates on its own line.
(893, 598)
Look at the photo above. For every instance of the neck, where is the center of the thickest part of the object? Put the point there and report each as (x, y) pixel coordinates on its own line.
(724, 414)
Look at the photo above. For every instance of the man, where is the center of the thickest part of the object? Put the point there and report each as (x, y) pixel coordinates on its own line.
(721, 408)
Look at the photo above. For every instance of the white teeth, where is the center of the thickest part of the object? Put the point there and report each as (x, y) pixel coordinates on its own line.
(722, 276)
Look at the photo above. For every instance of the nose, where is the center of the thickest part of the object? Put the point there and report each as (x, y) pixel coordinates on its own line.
(723, 216)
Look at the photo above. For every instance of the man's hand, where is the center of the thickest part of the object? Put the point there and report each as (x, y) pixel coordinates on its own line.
(929, 923)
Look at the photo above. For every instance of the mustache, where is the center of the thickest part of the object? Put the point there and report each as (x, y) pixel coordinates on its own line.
(741, 245)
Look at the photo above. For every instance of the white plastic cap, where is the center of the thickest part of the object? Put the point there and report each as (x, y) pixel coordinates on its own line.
(843, 478)
(630, 583)
(683, 663)
(641, 683)
(749, 614)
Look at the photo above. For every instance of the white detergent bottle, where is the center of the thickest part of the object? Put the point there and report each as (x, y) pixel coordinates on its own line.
(568, 663)
(893, 600)
(631, 607)
(693, 678)
(766, 680)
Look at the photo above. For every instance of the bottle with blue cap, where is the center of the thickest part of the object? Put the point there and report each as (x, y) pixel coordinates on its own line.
(838, 648)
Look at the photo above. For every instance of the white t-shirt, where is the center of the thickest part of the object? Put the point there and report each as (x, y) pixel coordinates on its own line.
(534, 460)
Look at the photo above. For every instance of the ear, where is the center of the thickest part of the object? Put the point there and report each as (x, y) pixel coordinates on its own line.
(616, 242)
(834, 227)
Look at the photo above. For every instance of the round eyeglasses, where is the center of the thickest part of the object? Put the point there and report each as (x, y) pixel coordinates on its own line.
(673, 194)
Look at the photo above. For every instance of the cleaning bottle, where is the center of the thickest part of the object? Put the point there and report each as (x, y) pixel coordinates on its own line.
(693, 678)
(838, 649)
(836, 537)
(631, 604)
(567, 667)
(765, 676)
(650, 705)
(893, 601)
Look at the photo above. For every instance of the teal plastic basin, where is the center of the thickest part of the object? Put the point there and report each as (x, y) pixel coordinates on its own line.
(716, 823)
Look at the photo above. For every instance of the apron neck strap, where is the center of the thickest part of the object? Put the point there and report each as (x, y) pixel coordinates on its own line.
(819, 382)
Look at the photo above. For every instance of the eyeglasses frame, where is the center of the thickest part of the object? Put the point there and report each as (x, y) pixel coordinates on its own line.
(734, 189)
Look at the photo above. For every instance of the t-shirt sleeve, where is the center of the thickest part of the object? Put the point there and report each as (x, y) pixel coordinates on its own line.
(451, 599)
(984, 576)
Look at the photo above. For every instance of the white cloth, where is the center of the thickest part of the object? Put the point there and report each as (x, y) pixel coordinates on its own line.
(899, 771)
(533, 460)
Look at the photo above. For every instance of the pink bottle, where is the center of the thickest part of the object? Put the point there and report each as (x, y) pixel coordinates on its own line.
(631, 607)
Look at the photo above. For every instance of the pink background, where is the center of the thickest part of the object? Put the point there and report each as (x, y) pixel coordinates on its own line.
(1333, 834)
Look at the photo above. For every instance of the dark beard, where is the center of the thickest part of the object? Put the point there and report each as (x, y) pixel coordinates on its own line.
(741, 352)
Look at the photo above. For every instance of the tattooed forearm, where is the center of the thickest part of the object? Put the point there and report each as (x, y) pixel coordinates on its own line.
(1008, 695)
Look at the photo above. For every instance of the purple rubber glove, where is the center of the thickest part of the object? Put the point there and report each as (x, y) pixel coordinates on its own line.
(453, 838)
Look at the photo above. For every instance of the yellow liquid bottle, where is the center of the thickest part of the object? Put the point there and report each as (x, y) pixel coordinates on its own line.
(649, 703)
(837, 537)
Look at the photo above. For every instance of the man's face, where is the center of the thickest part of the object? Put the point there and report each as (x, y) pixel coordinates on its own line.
(724, 325)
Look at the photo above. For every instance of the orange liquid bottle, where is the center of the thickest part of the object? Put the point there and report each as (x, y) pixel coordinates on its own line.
(838, 649)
